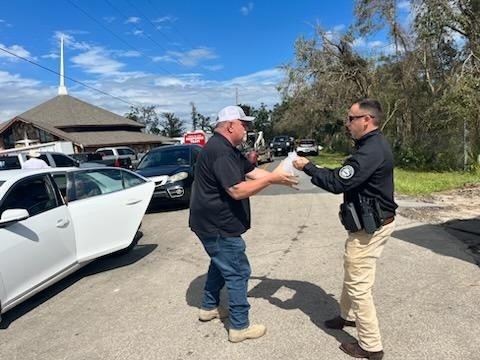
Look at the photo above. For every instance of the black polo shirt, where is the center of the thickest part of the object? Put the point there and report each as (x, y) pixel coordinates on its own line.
(368, 171)
(212, 210)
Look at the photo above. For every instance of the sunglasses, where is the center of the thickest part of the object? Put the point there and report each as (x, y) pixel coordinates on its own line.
(350, 118)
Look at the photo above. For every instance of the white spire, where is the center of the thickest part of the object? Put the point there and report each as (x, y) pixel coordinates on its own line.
(62, 90)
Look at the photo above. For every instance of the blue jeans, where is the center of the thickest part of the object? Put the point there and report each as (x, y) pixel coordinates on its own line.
(228, 266)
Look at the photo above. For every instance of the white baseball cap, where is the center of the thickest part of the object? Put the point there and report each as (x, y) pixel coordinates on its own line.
(233, 112)
(34, 154)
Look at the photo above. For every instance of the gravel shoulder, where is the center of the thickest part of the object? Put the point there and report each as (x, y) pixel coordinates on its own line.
(457, 211)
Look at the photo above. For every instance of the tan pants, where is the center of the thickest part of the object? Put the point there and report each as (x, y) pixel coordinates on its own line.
(361, 253)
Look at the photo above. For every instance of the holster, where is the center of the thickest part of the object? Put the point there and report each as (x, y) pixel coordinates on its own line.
(349, 217)
(370, 214)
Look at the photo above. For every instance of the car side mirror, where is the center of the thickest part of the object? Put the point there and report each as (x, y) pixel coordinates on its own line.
(11, 216)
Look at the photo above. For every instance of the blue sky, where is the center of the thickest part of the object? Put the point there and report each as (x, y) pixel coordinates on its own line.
(152, 52)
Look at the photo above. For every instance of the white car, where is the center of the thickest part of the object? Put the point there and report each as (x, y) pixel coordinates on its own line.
(54, 221)
(307, 147)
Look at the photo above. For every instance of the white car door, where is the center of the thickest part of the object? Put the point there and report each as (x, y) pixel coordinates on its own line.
(107, 210)
(38, 248)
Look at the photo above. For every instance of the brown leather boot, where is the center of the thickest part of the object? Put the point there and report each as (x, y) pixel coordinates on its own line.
(338, 323)
(354, 350)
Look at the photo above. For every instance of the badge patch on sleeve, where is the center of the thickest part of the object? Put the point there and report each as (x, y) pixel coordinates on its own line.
(346, 172)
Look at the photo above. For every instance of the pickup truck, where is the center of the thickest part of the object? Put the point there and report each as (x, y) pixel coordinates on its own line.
(53, 159)
(117, 153)
(94, 157)
(281, 145)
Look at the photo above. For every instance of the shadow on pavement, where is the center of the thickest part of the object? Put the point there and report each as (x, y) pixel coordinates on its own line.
(99, 265)
(311, 299)
(430, 237)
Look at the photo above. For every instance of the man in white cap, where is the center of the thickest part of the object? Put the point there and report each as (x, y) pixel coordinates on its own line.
(34, 162)
(220, 214)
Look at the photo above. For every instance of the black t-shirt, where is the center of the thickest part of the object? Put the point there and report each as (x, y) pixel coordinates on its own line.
(212, 210)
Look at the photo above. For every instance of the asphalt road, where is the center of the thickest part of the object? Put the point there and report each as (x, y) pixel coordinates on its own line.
(144, 305)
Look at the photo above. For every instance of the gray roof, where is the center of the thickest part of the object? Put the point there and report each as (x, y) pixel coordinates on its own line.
(111, 138)
(67, 111)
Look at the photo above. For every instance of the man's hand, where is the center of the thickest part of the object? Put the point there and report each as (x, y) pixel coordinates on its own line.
(300, 163)
(281, 177)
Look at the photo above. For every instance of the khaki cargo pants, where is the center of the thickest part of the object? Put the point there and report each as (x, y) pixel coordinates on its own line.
(361, 253)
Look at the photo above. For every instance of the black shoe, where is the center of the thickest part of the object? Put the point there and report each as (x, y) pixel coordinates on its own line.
(338, 323)
(354, 350)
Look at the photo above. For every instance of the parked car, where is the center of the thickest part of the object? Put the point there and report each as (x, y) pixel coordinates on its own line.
(171, 167)
(53, 159)
(307, 147)
(96, 157)
(54, 221)
(281, 145)
(118, 153)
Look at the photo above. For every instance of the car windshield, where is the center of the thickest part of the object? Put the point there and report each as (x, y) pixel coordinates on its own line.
(165, 157)
(9, 163)
(280, 139)
(307, 142)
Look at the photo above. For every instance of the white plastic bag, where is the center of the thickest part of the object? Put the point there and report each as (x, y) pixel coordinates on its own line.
(288, 164)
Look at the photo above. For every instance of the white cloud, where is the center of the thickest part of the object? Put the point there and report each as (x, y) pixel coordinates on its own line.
(109, 19)
(50, 56)
(247, 9)
(168, 93)
(164, 19)
(127, 53)
(137, 32)
(189, 58)
(404, 5)
(133, 20)
(19, 94)
(15, 49)
(4, 23)
(213, 67)
(97, 61)
(338, 28)
(358, 42)
(375, 44)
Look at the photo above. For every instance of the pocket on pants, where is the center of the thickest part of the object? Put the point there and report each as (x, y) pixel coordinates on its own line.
(234, 250)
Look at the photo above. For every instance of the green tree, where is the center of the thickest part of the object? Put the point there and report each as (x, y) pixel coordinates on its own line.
(195, 117)
(145, 115)
(171, 125)
(204, 123)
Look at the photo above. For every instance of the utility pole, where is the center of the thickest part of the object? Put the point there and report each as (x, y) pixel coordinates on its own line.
(465, 145)
(236, 96)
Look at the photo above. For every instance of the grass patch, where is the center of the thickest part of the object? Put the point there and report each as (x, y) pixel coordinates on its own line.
(426, 182)
(328, 159)
(411, 182)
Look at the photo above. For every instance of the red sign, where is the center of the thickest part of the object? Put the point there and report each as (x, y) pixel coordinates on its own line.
(197, 137)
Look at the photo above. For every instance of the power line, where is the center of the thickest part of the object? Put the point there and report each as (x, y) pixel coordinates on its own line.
(173, 27)
(136, 27)
(178, 32)
(115, 35)
(66, 77)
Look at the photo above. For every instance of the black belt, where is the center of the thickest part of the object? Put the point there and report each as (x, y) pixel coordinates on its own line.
(388, 220)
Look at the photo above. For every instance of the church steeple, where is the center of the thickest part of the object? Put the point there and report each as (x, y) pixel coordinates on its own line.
(62, 90)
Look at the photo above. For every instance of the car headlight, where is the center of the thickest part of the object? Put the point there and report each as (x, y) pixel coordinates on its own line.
(177, 177)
